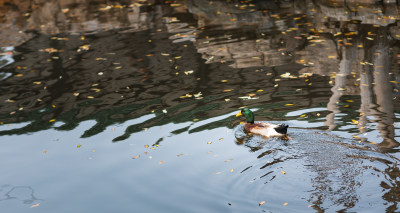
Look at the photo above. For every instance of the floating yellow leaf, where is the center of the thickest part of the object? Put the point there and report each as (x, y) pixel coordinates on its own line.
(52, 120)
(79, 146)
(232, 170)
(395, 82)
(76, 93)
(349, 101)
(179, 155)
(224, 81)
(136, 157)
(36, 205)
(44, 152)
(161, 162)
(354, 122)
(261, 203)
(89, 97)
(289, 104)
(228, 160)
(283, 172)
(260, 90)
(209, 142)
(285, 204)
(37, 82)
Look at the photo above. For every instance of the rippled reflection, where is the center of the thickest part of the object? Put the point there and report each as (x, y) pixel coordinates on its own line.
(327, 65)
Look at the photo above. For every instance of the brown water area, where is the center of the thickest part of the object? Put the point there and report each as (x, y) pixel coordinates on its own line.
(129, 106)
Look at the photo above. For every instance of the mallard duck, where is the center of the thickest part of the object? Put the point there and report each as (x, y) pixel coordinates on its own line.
(264, 129)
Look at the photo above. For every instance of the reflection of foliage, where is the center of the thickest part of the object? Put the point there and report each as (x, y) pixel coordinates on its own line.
(22, 193)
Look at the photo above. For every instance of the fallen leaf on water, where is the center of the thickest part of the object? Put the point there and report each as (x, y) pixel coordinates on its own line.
(228, 160)
(232, 170)
(44, 152)
(79, 146)
(89, 97)
(261, 203)
(179, 155)
(188, 72)
(285, 204)
(289, 104)
(146, 146)
(209, 142)
(221, 139)
(283, 172)
(36, 205)
(354, 122)
(136, 157)
(224, 81)
(161, 162)
(76, 93)
(52, 120)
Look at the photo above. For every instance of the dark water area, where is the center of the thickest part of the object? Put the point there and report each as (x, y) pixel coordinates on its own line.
(129, 106)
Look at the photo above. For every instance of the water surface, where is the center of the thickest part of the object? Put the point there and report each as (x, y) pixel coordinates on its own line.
(130, 107)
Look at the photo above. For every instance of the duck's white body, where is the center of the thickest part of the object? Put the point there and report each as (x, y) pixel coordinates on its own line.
(264, 129)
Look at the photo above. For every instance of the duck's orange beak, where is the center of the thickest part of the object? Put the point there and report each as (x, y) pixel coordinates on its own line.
(239, 114)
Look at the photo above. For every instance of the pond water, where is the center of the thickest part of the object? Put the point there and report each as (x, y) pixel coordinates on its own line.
(129, 106)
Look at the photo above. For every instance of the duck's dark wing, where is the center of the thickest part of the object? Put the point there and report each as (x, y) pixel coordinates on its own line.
(282, 128)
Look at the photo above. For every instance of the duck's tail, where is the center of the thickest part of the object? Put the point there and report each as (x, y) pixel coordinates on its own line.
(282, 128)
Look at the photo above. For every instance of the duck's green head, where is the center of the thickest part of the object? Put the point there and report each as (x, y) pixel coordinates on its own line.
(247, 114)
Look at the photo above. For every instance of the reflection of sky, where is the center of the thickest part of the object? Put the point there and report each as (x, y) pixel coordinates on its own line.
(5, 60)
